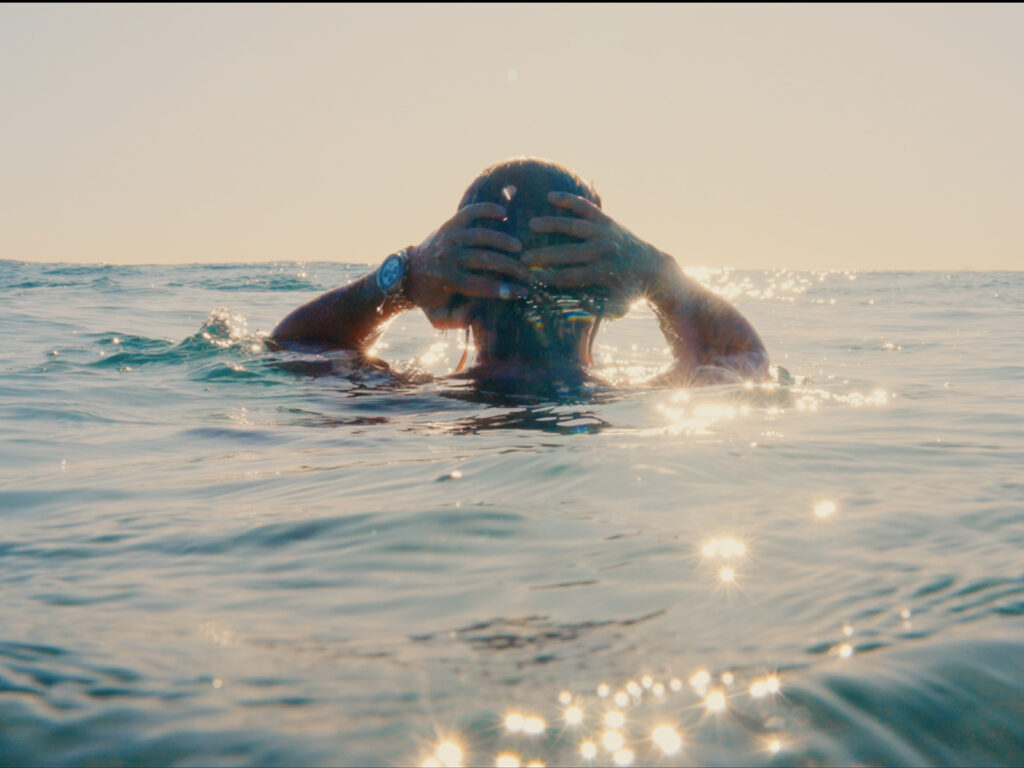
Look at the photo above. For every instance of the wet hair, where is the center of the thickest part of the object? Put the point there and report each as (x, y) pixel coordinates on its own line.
(521, 185)
(533, 330)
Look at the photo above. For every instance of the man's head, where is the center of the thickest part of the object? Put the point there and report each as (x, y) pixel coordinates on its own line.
(521, 186)
(546, 331)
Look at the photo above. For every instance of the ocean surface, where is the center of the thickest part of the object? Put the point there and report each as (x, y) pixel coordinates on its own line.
(215, 554)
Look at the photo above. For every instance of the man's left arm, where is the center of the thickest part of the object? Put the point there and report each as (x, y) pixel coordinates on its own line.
(711, 341)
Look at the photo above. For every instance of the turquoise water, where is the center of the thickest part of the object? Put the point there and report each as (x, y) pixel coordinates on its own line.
(215, 554)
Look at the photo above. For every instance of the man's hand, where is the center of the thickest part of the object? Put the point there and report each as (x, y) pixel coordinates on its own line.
(607, 257)
(462, 259)
(710, 340)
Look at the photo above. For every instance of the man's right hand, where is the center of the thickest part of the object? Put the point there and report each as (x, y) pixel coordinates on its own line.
(462, 259)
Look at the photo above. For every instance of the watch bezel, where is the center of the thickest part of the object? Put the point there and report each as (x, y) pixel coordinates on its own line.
(388, 280)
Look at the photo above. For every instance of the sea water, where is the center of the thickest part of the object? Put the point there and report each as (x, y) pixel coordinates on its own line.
(215, 554)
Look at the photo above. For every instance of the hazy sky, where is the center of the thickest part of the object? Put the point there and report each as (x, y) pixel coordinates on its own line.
(863, 136)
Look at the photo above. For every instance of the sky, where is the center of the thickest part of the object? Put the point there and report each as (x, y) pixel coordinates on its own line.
(748, 136)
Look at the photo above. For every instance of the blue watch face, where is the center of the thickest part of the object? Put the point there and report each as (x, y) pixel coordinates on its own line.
(391, 272)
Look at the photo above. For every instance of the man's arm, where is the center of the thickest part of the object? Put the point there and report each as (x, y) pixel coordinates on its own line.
(710, 340)
(712, 343)
(458, 259)
(351, 317)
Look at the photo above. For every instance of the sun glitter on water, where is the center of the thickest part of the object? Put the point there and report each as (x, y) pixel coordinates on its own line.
(667, 739)
(715, 701)
(824, 509)
(573, 715)
(635, 733)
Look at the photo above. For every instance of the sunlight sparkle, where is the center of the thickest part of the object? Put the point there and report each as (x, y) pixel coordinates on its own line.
(715, 701)
(612, 741)
(614, 719)
(533, 725)
(623, 757)
(573, 715)
(824, 509)
(450, 754)
(667, 738)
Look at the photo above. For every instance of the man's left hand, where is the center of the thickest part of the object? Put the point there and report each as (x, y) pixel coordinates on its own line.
(607, 256)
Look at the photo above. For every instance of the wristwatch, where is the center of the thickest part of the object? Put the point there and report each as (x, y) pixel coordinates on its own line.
(391, 274)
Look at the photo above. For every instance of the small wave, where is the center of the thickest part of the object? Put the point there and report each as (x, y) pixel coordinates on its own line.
(907, 707)
(894, 707)
(29, 276)
(223, 330)
(272, 536)
(273, 277)
(269, 282)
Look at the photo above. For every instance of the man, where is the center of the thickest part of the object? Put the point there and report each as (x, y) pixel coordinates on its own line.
(531, 265)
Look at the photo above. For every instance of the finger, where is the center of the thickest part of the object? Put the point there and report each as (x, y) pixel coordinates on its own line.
(578, 205)
(489, 261)
(560, 255)
(575, 277)
(488, 238)
(564, 225)
(476, 211)
(483, 287)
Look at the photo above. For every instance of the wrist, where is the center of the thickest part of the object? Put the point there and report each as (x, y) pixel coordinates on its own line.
(414, 276)
(391, 279)
(663, 277)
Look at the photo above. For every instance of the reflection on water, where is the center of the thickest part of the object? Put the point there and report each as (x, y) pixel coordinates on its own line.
(644, 719)
(658, 721)
(649, 720)
(824, 509)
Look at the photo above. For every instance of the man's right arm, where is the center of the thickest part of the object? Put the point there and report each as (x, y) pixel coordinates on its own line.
(351, 317)
(458, 259)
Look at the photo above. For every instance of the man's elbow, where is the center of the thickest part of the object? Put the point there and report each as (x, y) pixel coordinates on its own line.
(752, 365)
(749, 366)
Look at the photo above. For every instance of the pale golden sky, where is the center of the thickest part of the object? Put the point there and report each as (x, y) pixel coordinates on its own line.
(866, 136)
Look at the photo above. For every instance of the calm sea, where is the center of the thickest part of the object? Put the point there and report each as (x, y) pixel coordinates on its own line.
(212, 554)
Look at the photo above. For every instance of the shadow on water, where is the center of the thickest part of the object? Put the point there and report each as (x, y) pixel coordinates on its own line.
(545, 418)
(528, 632)
(572, 413)
(381, 394)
